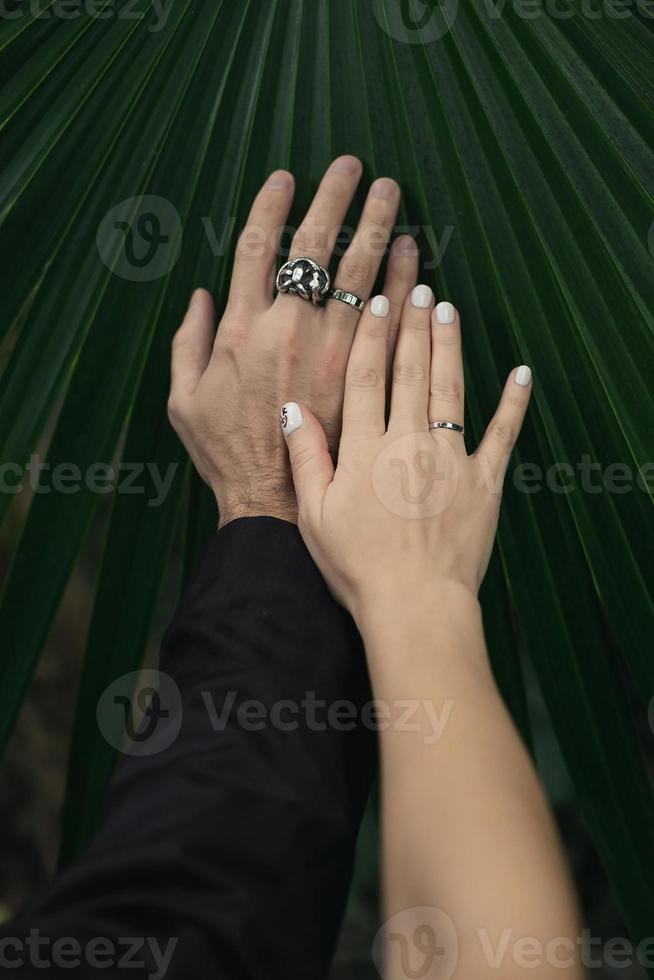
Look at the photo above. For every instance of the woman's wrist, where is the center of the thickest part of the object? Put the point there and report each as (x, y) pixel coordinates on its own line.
(382, 602)
(436, 621)
(426, 645)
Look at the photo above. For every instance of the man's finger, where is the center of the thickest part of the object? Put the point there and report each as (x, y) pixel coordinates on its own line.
(316, 235)
(192, 345)
(253, 276)
(359, 266)
(401, 277)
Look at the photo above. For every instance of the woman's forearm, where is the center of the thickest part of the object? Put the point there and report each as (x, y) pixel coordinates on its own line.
(466, 828)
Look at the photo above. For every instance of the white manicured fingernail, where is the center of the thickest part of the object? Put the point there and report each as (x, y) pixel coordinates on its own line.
(290, 418)
(421, 297)
(445, 313)
(379, 306)
(523, 375)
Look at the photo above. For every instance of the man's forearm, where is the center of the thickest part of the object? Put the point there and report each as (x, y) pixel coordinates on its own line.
(236, 841)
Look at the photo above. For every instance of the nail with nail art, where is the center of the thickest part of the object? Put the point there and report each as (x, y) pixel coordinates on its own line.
(290, 418)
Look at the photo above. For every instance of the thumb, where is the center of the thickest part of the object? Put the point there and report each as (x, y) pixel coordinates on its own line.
(311, 463)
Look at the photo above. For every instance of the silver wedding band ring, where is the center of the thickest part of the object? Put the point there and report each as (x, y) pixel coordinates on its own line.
(344, 297)
(452, 426)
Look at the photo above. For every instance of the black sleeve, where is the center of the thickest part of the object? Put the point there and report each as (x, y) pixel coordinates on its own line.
(228, 852)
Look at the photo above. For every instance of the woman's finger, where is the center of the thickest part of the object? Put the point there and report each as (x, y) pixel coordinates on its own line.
(401, 277)
(316, 235)
(410, 393)
(495, 449)
(192, 346)
(256, 252)
(358, 269)
(365, 384)
(446, 379)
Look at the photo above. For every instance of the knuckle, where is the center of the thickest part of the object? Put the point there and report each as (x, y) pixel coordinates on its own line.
(334, 189)
(273, 203)
(290, 344)
(249, 246)
(363, 377)
(447, 337)
(355, 270)
(309, 239)
(409, 374)
(232, 335)
(448, 391)
(290, 331)
(416, 321)
(333, 360)
(174, 410)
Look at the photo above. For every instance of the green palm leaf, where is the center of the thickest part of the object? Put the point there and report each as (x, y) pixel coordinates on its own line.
(523, 144)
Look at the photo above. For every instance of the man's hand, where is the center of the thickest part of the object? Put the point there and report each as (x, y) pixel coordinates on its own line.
(226, 387)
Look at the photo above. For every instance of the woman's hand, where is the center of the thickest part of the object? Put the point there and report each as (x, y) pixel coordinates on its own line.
(226, 388)
(407, 511)
(403, 531)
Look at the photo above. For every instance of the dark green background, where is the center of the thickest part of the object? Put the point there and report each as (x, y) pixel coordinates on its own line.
(527, 136)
